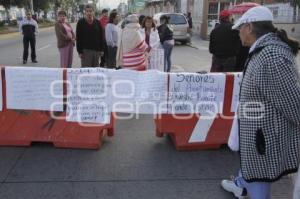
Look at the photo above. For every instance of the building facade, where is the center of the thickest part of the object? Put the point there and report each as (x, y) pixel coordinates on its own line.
(205, 13)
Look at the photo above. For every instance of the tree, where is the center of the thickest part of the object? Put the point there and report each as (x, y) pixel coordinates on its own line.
(66, 5)
(8, 3)
(41, 5)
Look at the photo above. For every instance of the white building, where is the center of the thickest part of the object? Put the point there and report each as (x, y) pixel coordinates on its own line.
(283, 12)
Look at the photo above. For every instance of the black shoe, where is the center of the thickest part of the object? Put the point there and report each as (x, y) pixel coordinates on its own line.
(34, 61)
(24, 61)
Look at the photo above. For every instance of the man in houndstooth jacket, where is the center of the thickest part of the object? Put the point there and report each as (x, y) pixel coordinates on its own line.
(269, 110)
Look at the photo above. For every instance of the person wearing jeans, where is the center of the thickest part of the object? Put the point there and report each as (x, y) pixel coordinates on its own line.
(166, 38)
(168, 47)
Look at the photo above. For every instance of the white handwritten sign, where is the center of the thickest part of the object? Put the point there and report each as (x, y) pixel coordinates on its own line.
(1, 96)
(196, 93)
(236, 91)
(88, 97)
(139, 92)
(156, 59)
(31, 88)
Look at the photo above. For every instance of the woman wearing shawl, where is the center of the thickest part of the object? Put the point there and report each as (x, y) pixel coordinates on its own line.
(131, 53)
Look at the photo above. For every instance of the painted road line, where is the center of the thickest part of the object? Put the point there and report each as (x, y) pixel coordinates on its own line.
(176, 68)
(43, 48)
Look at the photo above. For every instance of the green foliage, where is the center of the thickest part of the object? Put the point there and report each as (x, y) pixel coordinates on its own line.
(13, 22)
(44, 20)
(39, 5)
(20, 3)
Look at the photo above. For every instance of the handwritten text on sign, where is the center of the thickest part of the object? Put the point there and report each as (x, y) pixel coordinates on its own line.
(196, 93)
(88, 95)
(30, 88)
(156, 59)
(236, 91)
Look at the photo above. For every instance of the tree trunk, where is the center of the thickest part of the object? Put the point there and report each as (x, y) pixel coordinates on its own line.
(45, 14)
(7, 15)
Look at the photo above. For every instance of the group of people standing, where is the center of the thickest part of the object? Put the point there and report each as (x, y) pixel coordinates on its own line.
(128, 47)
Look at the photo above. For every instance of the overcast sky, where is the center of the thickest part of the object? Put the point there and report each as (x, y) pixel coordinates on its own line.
(111, 3)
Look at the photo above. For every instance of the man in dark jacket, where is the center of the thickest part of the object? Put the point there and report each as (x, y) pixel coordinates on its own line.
(224, 45)
(29, 29)
(89, 39)
(190, 22)
(166, 39)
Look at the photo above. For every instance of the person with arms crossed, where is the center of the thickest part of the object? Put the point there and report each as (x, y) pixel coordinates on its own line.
(65, 40)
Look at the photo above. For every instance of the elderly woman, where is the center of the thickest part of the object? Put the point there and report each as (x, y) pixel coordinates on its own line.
(65, 40)
(269, 107)
(132, 47)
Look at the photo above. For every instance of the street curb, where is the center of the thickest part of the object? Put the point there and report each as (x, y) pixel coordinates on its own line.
(17, 31)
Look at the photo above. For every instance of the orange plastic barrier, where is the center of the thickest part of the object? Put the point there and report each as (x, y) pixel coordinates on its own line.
(21, 128)
(180, 130)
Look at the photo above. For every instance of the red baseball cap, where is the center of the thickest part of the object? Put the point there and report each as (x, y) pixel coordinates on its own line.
(224, 14)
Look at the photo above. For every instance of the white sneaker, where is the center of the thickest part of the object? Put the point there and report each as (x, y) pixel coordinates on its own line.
(230, 186)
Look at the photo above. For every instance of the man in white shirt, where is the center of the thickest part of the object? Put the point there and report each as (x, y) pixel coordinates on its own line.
(111, 36)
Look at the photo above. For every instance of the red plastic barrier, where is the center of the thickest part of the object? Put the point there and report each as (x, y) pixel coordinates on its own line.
(21, 128)
(180, 130)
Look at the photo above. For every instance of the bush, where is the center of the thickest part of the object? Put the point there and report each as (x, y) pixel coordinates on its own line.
(13, 22)
(43, 20)
(40, 20)
(2, 23)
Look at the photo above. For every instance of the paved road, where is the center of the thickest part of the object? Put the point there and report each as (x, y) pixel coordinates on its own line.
(184, 58)
(132, 164)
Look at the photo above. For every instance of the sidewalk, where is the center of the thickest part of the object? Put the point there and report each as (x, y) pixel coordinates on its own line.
(8, 30)
(14, 29)
(201, 44)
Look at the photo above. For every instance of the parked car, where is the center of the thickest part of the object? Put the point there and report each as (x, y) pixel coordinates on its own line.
(179, 25)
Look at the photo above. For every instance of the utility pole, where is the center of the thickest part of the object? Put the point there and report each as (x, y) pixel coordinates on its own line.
(31, 6)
